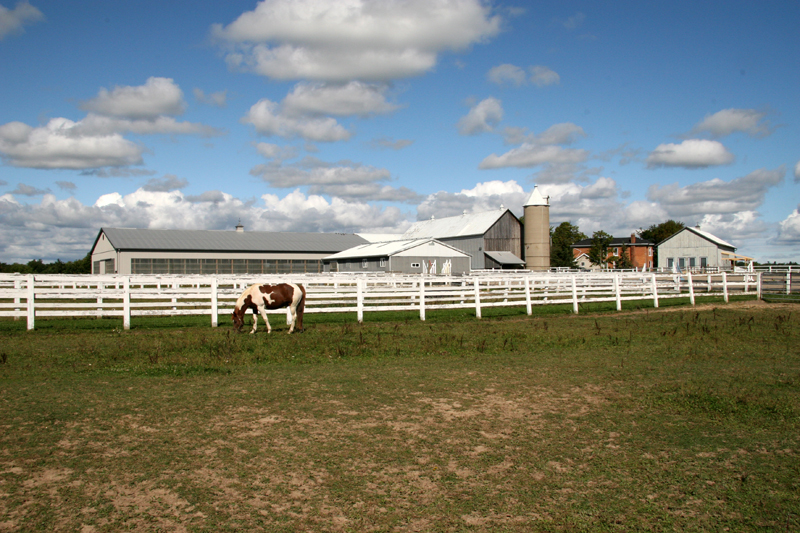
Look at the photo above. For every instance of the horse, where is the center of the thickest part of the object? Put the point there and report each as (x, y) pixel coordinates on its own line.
(259, 298)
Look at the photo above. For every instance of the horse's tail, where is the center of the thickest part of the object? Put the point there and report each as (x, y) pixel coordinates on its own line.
(301, 306)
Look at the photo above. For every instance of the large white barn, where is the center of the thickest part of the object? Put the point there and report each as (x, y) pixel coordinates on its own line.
(693, 248)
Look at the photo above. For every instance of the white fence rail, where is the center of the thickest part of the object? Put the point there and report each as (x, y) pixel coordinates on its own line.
(127, 297)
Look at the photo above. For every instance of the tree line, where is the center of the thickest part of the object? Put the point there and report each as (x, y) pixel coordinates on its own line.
(563, 236)
(37, 266)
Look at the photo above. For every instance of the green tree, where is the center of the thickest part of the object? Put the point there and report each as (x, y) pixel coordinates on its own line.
(623, 260)
(598, 253)
(657, 233)
(562, 238)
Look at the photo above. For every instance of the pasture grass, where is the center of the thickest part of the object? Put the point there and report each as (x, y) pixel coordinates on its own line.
(665, 419)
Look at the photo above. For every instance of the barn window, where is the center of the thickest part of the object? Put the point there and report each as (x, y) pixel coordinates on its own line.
(364, 263)
(383, 261)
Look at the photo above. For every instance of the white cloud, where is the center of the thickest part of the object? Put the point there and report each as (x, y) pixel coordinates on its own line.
(789, 229)
(345, 180)
(352, 39)
(542, 76)
(351, 99)
(59, 145)
(729, 121)
(169, 182)
(734, 227)
(268, 119)
(692, 153)
(94, 125)
(716, 196)
(484, 196)
(506, 74)
(13, 20)
(217, 99)
(531, 155)
(574, 21)
(482, 117)
(158, 96)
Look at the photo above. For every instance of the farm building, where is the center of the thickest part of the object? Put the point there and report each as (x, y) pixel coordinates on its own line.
(154, 251)
(693, 248)
(480, 235)
(639, 251)
(408, 256)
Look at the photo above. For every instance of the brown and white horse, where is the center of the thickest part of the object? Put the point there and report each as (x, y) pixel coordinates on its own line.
(259, 298)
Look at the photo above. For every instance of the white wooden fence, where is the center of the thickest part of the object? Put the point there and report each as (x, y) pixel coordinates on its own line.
(128, 297)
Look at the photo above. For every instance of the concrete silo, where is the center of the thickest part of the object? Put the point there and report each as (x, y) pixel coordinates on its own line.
(537, 231)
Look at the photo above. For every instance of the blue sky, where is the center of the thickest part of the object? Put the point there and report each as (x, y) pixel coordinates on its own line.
(360, 116)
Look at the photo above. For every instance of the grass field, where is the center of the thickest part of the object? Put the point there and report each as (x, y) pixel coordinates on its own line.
(670, 419)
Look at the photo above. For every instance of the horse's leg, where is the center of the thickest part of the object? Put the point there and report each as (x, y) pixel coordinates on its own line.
(264, 316)
(301, 307)
(255, 322)
(293, 310)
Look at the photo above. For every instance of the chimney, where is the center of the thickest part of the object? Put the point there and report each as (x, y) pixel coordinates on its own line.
(633, 238)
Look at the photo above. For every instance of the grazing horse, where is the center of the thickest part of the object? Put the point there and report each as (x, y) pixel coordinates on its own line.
(259, 298)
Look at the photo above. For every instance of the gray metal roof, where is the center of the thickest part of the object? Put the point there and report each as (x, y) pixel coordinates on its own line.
(385, 249)
(458, 226)
(505, 258)
(228, 241)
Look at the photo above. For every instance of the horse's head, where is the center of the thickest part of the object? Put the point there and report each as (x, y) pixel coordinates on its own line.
(238, 318)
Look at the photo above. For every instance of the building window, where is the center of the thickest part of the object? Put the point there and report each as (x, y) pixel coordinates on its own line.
(649, 251)
(383, 262)
(692, 261)
(364, 263)
(670, 262)
(703, 262)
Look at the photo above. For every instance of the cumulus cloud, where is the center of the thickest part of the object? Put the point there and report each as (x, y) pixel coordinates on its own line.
(169, 182)
(217, 99)
(97, 141)
(484, 196)
(692, 153)
(507, 74)
(789, 229)
(574, 21)
(351, 99)
(59, 145)
(28, 190)
(13, 20)
(67, 186)
(158, 96)
(728, 121)
(344, 179)
(269, 119)
(352, 39)
(531, 155)
(716, 197)
(734, 228)
(482, 117)
(542, 76)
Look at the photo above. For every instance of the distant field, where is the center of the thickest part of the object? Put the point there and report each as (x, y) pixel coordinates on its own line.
(676, 418)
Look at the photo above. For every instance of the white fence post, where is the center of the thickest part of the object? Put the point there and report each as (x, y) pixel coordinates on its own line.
(214, 302)
(655, 291)
(725, 286)
(31, 305)
(17, 287)
(126, 303)
(528, 307)
(758, 281)
(789, 282)
(360, 300)
(574, 294)
(477, 297)
(617, 291)
(422, 299)
(691, 287)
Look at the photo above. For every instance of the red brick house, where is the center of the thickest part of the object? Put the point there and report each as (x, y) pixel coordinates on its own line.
(639, 251)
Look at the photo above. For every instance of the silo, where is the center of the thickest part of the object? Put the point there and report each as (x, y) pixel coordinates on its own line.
(537, 231)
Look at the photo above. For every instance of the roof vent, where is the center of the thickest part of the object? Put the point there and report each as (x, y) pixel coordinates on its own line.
(239, 227)
(433, 217)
